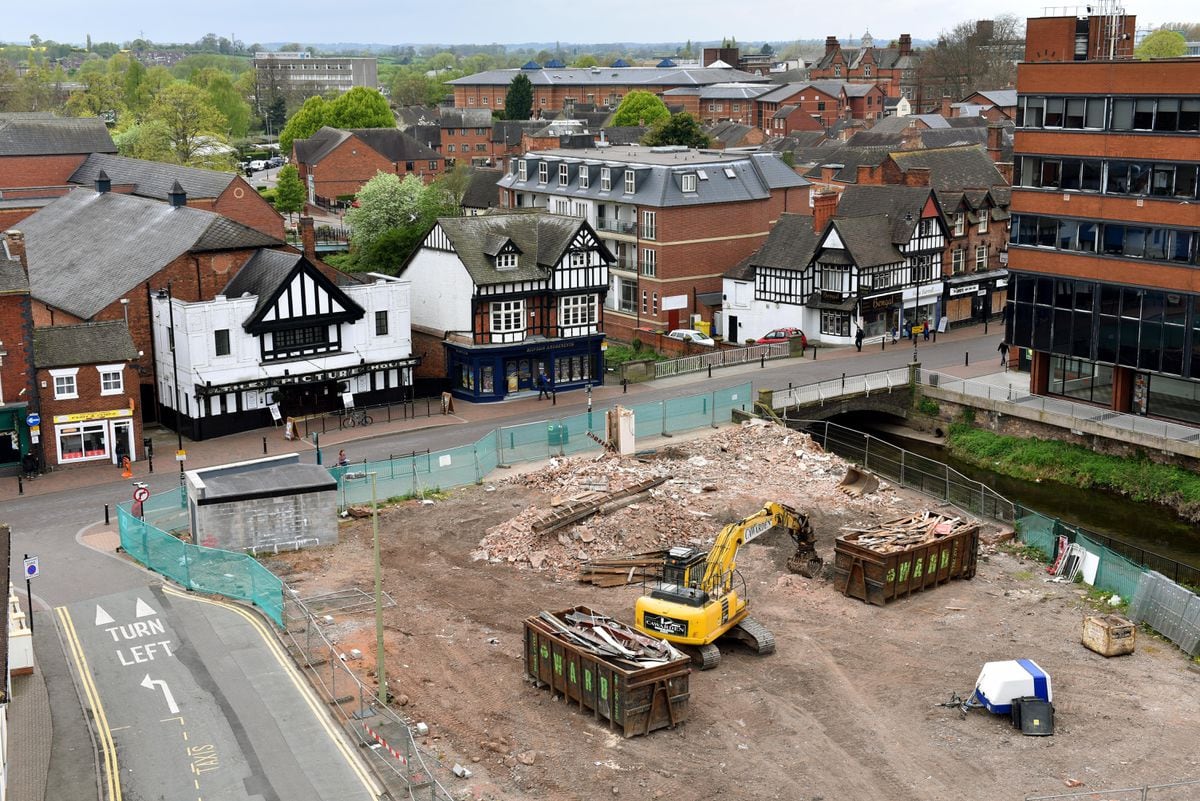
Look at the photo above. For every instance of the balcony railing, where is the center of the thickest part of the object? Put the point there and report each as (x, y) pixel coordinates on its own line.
(616, 226)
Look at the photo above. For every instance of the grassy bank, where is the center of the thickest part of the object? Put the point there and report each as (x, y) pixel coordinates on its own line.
(1050, 460)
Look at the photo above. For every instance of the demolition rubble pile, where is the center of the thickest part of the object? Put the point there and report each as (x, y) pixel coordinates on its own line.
(705, 483)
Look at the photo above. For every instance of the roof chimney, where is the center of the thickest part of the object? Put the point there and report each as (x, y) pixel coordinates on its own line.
(905, 44)
(308, 237)
(15, 243)
(103, 184)
(946, 110)
(995, 141)
(868, 175)
(916, 176)
(824, 206)
(177, 196)
(831, 44)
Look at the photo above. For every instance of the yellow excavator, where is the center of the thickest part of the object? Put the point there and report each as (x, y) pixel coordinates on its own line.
(700, 597)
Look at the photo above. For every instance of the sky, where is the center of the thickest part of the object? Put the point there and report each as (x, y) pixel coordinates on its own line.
(476, 22)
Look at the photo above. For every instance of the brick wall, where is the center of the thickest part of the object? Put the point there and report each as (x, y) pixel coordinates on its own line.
(427, 344)
(16, 335)
(240, 202)
(90, 400)
(351, 164)
(38, 170)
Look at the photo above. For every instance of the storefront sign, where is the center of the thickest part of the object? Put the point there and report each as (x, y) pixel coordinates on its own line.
(670, 302)
(545, 346)
(880, 303)
(831, 297)
(318, 377)
(83, 417)
(965, 289)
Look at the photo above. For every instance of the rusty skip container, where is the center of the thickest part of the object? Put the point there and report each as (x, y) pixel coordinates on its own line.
(633, 702)
(879, 578)
(1109, 635)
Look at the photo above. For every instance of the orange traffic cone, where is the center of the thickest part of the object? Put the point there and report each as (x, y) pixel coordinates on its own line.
(126, 468)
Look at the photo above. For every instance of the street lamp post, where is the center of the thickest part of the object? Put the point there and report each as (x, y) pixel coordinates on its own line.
(175, 375)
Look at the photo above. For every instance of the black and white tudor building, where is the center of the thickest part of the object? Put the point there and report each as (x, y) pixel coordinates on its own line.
(877, 265)
(282, 340)
(507, 296)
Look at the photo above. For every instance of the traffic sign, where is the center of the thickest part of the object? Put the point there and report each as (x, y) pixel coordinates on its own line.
(141, 494)
(31, 567)
(181, 455)
(33, 419)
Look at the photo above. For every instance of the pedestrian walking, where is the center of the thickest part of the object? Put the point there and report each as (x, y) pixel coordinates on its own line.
(1003, 350)
(342, 459)
(858, 339)
(925, 330)
(542, 382)
(895, 335)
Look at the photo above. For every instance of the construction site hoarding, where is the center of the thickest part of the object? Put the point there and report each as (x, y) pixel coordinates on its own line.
(905, 556)
(632, 700)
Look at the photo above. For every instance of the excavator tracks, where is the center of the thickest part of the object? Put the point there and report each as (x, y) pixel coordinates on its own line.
(755, 635)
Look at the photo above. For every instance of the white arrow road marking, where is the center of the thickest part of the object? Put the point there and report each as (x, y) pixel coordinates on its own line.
(103, 618)
(149, 683)
(143, 609)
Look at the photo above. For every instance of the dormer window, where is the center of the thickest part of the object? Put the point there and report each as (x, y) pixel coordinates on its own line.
(522, 170)
(583, 177)
(605, 179)
(564, 174)
(689, 182)
(866, 70)
(506, 261)
(543, 172)
(837, 70)
(629, 182)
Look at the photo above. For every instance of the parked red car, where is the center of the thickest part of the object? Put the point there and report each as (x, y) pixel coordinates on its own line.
(782, 335)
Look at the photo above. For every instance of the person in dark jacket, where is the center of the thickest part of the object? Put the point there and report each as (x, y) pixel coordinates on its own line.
(858, 339)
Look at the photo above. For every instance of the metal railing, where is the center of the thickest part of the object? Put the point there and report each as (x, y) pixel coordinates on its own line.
(380, 413)
(846, 386)
(1149, 792)
(616, 226)
(1047, 404)
(722, 357)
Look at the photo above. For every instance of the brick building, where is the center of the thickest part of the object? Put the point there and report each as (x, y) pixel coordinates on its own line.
(334, 164)
(674, 219)
(88, 392)
(18, 391)
(1106, 220)
(556, 88)
(893, 68)
(466, 136)
(723, 101)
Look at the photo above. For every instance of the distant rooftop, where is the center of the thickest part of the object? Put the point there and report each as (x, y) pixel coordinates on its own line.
(668, 156)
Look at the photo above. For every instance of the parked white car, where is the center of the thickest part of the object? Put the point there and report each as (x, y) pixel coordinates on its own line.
(691, 335)
(258, 165)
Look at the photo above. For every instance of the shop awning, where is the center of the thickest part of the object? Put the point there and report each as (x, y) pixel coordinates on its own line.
(710, 298)
(815, 302)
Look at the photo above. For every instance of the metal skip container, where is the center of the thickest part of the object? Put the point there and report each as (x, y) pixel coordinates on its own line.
(632, 699)
(904, 556)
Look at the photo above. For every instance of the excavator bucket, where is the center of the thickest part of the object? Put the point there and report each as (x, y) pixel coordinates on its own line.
(805, 560)
(858, 482)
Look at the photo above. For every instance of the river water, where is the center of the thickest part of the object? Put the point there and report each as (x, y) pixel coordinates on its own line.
(1149, 526)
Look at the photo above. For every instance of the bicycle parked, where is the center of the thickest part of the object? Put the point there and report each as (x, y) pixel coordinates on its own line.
(356, 417)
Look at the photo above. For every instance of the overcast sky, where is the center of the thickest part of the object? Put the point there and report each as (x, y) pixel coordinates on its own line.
(476, 22)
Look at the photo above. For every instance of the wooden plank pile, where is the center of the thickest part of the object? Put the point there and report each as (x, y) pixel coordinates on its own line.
(905, 532)
(589, 503)
(618, 571)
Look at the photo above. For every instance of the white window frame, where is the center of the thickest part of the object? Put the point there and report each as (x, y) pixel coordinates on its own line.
(507, 316)
(106, 371)
(564, 174)
(69, 389)
(649, 225)
(689, 182)
(983, 221)
(543, 172)
(506, 261)
(605, 179)
(981, 254)
(90, 426)
(522, 170)
(630, 182)
(958, 261)
(834, 277)
(960, 224)
(583, 176)
(575, 311)
(650, 262)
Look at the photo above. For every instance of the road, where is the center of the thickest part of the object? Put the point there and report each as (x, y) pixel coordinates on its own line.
(232, 689)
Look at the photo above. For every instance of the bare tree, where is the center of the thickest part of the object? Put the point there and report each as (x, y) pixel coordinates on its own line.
(973, 55)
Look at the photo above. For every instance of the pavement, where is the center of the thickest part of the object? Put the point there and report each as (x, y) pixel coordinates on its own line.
(52, 743)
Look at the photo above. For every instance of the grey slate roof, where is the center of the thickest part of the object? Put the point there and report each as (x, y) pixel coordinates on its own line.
(152, 178)
(407, 116)
(625, 134)
(790, 90)
(431, 135)
(953, 169)
(541, 238)
(465, 118)
(261, 276)
(612, 76)
(790, 244)
(30, 135)
(12, 275)
(395, 145)
(999, 97)
(87, 249)
(510, 131)
(317, 146)
(482, 191)
(728, 133)
(895, 201)
(285, 479)
(722, 91)
(797, 140)
(867, 239)
(106, 342)
(659, 173)
(846, 158)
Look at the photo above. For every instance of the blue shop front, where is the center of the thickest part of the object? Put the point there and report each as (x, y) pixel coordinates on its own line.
(485, 373)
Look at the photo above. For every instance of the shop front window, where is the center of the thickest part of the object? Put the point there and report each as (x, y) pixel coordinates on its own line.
(487, 379)
(82, 442)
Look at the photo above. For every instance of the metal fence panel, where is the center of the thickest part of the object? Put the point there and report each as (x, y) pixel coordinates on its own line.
(1169, 609)
(721, 357)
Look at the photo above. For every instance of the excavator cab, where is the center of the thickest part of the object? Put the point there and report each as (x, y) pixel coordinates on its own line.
(680, 575)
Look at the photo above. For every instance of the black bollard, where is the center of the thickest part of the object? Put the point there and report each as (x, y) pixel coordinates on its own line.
(264, 444)
(710, 371)
(624, 385)
(843, 382)
(106, 514)
(762, 360)
(553, 397)
(814, 353)
(20, 485)
(966, 359)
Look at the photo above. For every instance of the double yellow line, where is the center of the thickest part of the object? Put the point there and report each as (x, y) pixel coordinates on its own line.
(299, 681)
(111, 770)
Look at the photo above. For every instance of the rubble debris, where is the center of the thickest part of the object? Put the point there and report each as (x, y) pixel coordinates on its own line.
(905, 532)
(630, 569)
(611, 640)
(583, 506)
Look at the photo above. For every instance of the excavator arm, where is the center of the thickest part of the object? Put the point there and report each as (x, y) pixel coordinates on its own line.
(722, 558)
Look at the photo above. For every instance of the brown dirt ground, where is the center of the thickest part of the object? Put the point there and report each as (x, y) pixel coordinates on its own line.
(847, 708)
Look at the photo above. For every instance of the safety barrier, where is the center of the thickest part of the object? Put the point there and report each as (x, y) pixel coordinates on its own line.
(721, 357)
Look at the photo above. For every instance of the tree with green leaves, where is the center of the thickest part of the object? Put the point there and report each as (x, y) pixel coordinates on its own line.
(276, 116)
(640, 108)
(1161, 44)
(391, 218)
(194, 126)
(586, 61)
(361, 107)
(677, 129)
(307, 120)
(518, 102)
(289, 191)
(412, 88)
(219, 88)
(767, 50)
(101, 95)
